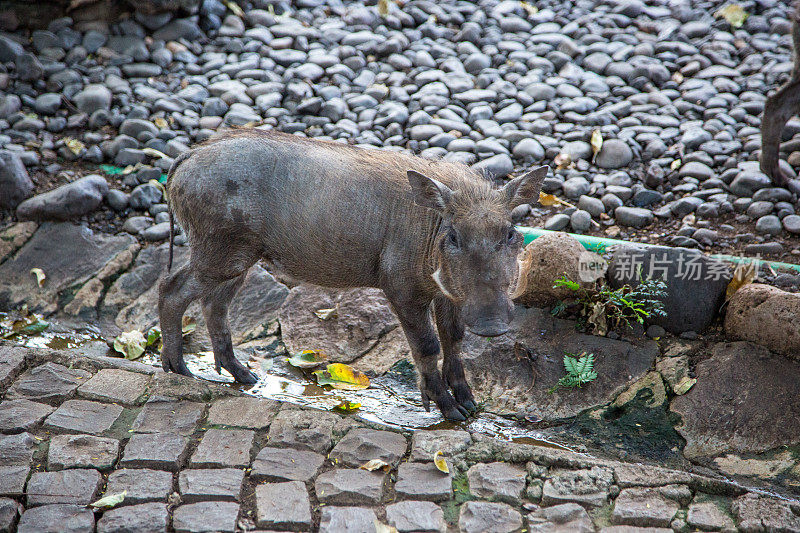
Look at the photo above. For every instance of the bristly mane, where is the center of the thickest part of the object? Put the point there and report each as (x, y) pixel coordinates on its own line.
(473, 188)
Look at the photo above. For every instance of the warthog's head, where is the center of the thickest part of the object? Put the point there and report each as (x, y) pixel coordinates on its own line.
(477, 244)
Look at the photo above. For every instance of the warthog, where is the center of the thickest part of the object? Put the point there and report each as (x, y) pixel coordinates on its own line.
(339, 216)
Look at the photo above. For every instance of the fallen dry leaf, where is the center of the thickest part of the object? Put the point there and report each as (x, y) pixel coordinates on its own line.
(549, 200)
(131, 344)
(439, 461)
(734, 14)
(40, 276)
(152, 152)
(75, 146)
(375, 464)
(563, 161)
(529, 8)
(683, 386)
(347, 407)
(326, 314)
(596, 142)
(307, 359)
(743, 274)
(342, 376)
(234, 7)
(597, 318)
(110, 501)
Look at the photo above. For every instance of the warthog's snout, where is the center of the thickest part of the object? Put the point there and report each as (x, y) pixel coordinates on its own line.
(489, 321)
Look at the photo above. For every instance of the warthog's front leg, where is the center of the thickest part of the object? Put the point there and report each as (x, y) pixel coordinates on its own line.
(215, 311)
(414, 315)
(451, 333)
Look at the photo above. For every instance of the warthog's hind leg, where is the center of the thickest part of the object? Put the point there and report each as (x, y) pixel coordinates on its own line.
(451, 332)
(215, 310)
(176, 291)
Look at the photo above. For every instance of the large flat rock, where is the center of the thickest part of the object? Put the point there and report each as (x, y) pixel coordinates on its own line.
(514, 372)
(361, 322)
(67, 253)
(255, 305)
(745, 400)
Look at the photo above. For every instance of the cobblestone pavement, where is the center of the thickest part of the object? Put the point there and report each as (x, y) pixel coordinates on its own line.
(194, 456)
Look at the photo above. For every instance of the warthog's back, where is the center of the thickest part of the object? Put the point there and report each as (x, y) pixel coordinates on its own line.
(325, 212)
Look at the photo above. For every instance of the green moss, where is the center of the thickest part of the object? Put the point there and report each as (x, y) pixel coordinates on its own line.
(642, 430)
(602, 515)
(461, 494)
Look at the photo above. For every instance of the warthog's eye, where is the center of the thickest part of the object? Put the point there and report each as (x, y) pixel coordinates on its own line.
(452, 239)
(512, 234)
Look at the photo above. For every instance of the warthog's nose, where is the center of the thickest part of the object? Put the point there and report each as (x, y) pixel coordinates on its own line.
(489, 328)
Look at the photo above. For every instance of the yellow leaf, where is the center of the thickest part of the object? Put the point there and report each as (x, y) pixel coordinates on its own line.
(74, 145)
(40, 277)
(160, 186)
(343, 377)
(161, 123)
(531, 9)
(683, 386)
(563, 160)
(325, 314)
(734, 14)
(744, 274)
(152, 152)
(551, 200)
(383, 7)
(596, 142)
(439, 461)
(234, 7)
(347, 406)
(375, 464)
(675, 165)
(110, 501)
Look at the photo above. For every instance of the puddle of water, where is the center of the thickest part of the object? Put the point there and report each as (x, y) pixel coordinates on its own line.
(391, 399)
(32, 331)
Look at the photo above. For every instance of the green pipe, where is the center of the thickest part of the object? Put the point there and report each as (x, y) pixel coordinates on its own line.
(601, 244)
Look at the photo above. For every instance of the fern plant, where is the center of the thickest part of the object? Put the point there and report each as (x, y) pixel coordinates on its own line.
(580, 371)
(604, 307)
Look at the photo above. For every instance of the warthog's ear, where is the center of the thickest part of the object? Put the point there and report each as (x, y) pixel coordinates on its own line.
(428, 192)
(525, 189)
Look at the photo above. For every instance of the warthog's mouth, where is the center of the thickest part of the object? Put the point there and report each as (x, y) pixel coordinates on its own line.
(488, 331)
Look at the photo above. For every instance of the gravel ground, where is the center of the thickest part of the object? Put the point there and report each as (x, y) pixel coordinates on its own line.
(675, 92)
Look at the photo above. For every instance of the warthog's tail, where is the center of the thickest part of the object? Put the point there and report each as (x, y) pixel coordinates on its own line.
(171, 238)
(178, 160)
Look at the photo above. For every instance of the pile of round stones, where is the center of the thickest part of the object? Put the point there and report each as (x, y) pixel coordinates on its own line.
(675, 92)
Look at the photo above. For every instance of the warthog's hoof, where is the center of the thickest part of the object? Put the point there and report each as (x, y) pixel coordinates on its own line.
(175, 364)
(239, 372)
